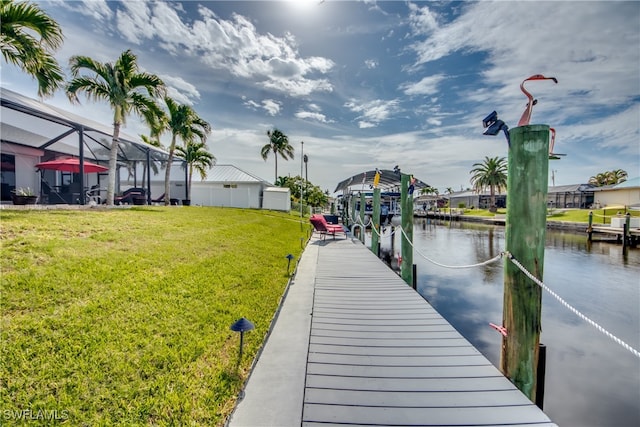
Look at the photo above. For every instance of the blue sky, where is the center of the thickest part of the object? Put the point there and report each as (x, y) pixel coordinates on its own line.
(373, 84)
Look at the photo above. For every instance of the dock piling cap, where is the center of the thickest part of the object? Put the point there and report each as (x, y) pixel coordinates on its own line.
(242, 325)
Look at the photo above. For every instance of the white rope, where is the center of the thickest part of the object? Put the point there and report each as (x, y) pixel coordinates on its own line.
(487, 262)
(543, 286)
(608, 216)
(571, 308)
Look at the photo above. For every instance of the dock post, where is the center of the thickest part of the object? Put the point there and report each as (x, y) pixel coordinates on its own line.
(375, 226)
(362, 208)
(590, 227)
(542, 369)
(525, 230)
(406, 208)
(352, 203)
(626, 238)
(414, 271)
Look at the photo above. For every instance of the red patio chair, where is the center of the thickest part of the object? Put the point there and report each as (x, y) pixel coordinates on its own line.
(321, 225)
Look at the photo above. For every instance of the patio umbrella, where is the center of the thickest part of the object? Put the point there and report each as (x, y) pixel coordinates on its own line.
(71, 165)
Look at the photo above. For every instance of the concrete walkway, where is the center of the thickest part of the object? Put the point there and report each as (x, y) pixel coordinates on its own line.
(354, 345)
(274, 393)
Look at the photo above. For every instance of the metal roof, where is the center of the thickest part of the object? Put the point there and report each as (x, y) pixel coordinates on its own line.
(630, 183)
(574, 188)
(230, 173)
(388, 179)
(31, 123)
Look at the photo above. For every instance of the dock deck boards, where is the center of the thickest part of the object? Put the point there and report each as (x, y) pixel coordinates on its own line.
(379, 354)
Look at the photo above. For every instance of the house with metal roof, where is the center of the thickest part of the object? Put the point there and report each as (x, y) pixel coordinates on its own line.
(32, 132)
(576, 196)
(626, 193)
(473, 199)
(230, 186)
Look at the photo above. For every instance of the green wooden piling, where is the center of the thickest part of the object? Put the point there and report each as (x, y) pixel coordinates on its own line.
(406, 207)
(352, 218)
(362, 209)
(590, 227)
(525, 231)
(375, 226)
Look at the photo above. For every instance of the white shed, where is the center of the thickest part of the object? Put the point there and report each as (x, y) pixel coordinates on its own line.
(228, 186)
(277, 199)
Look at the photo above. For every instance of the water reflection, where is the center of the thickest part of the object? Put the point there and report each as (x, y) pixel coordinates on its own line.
(591, 380)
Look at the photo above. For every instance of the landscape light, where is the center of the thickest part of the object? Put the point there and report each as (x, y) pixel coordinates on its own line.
(289, 258)
(242, 325)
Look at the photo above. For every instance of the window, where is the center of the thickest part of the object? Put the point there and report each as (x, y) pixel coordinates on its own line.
(7, 175)
(230, 185)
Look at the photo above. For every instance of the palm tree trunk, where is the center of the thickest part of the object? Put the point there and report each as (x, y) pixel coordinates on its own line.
(113, 159)
(190, 176)
(167, 173)
(492, 192)
(275, 154)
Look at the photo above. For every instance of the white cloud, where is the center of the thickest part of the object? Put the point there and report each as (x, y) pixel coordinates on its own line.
(427, 86)
(298, 87)
(134, 23)
(96, 9)
(422, 19)
(250, 103)
(234, 45)
(525, 38)
(371, 63)
(271, 106)
(180, 90)
(373, 112)
(319, 117)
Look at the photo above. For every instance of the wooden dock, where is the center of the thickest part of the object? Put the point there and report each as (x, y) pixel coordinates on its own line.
(616, 232)
(379, 354)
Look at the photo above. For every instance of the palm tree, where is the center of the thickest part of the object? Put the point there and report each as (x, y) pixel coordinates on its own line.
(197, 158)
(27, 38)
(282, 181)
(599, 180)
(609, 178)
(123, 87)
(617, 176)
(491, 173)
(183, 123)
(278, 145)
(429, 190)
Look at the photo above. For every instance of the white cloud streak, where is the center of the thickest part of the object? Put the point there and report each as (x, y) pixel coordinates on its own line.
(373, 112)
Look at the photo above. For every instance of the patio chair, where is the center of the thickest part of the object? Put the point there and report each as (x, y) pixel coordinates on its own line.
(93, 195)
(50, 196)
(129, 196)
(321, 225)
(158, 199)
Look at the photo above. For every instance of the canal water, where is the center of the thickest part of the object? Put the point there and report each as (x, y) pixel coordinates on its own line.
(590, 379)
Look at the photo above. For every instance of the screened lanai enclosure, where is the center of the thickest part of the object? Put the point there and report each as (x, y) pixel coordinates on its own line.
(33, 132)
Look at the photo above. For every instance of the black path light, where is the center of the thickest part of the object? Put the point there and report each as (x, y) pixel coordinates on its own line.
(526, 116)
(242, 325)
(289, 258)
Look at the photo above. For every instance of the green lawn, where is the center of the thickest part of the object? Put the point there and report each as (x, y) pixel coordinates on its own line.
(121, 317)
